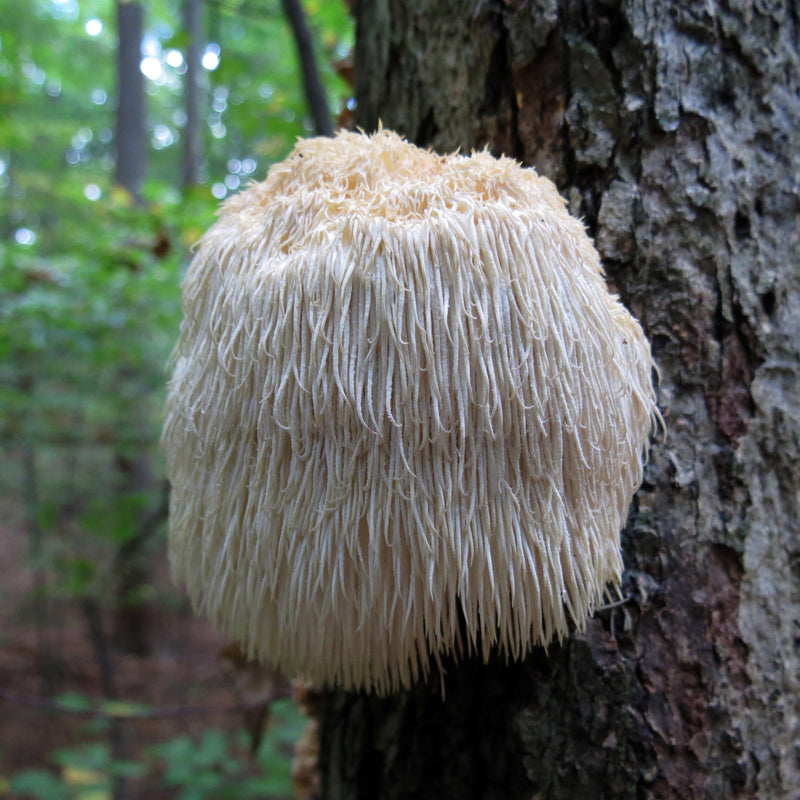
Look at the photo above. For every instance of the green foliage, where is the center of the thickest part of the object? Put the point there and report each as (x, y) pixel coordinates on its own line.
(89, 281)
(212, 765)
(215, 765)
(85, 333)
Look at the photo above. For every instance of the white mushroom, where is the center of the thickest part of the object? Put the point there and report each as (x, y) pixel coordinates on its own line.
(404, 405)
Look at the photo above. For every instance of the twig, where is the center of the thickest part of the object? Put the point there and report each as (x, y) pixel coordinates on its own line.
(615, 604)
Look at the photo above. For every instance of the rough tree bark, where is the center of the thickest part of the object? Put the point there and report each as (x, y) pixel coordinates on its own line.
(673, 129)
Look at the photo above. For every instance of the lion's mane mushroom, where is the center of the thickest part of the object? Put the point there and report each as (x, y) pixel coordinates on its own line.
(404, 406)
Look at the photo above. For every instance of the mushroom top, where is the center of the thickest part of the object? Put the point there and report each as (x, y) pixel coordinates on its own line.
(383, 176)
(406, 418)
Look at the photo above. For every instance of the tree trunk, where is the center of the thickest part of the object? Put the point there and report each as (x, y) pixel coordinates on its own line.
(131, 570)
(192, 153)
(673, 130)
(131, 142)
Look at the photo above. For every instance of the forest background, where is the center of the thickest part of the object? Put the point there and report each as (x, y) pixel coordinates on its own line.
(108, 687)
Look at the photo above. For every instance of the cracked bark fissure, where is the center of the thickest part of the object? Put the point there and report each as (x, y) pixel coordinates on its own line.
(673, 130)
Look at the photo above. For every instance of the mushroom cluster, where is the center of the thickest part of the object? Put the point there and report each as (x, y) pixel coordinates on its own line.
(407, 417)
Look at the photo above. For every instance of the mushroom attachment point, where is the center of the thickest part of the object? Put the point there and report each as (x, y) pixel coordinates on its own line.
(407, 417)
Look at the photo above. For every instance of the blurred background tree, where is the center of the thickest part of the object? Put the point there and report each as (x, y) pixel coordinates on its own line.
(125, 124)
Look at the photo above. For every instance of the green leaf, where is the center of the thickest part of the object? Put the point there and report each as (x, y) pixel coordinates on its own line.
(120, 708)
(73, 701)
(38, 783)
(94, 756)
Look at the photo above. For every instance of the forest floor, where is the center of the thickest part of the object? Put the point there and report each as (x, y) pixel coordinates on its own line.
(185, 681)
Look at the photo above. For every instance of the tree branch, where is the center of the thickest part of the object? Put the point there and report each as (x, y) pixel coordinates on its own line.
(312, 83)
